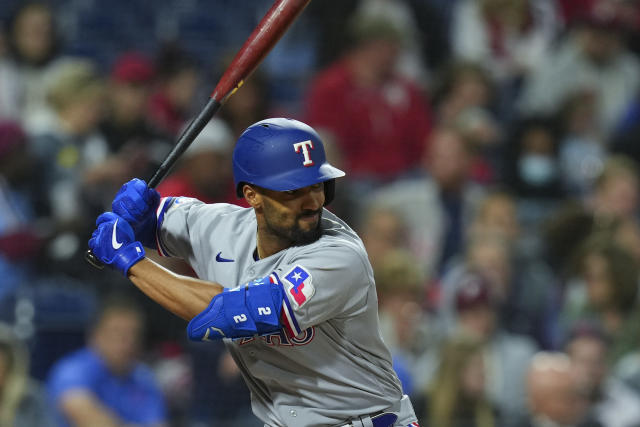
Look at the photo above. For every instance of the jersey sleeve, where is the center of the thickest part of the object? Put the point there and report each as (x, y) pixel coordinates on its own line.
(181, 224)
(172, 232)
(334, 281)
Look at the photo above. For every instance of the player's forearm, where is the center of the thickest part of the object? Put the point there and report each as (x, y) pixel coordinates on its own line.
(183, 296)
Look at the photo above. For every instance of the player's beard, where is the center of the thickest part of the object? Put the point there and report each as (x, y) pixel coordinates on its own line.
(295, 234)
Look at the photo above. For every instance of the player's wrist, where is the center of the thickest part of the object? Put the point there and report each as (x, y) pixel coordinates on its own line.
(128, 256)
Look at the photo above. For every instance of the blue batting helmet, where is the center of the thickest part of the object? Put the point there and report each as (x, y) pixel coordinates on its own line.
(282, 154)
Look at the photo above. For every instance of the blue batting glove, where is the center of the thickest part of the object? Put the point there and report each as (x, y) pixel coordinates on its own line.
(114, 244)
(136, 203)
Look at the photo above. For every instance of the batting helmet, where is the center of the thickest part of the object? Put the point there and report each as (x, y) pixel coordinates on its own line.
(282, 154)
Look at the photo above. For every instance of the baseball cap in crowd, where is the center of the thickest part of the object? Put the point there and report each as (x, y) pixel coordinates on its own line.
(72, 80)
(215, 136)
(472, 292)
(11, 137)
(132, 67)
(363, 29)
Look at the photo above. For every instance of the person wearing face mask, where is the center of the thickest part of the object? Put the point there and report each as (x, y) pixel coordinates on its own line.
(531, 167)
(537, 169)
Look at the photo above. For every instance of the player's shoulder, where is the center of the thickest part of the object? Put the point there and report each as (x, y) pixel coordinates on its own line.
(338, 242)
(337, 232)
(227, 209)
(198, 207)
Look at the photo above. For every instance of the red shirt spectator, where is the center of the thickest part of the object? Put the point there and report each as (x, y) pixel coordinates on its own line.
(379, 119)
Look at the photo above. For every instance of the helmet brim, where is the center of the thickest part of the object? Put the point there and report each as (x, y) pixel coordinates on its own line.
(299, 178)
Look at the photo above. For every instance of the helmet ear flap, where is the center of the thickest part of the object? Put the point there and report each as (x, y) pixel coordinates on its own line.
(239, 189)
(329, 191)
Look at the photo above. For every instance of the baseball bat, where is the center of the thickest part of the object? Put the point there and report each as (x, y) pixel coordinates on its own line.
(266, 34)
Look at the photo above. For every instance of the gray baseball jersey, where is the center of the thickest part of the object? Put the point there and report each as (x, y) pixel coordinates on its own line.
(329, 364)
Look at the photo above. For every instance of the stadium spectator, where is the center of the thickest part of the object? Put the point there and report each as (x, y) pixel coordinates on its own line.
(22, 402)
(105, 384)
(204, 171)
(21, 240)
(404, 17)
(9, 90)
(34, 53)
(552, 393)
(437, 206)
(497, 214)
(623, 141)
(380, 121)
(604, 291)
(458, 397)
(70, 146)
(464, 98)
(592, 56)
(582, 151)
(126, 126)
(532, 289)
(573, 224)
(382, 231)
(616, 190)
(77, 172)
(506, 355)
(509, 37)
(530, 168)
(405, 327)
(611, 402)
(177, 80)
(485, 254)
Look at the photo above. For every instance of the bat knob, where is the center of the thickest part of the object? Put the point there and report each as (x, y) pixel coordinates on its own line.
(93, 260)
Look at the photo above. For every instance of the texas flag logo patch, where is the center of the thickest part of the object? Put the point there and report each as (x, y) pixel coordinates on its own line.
(299, 285)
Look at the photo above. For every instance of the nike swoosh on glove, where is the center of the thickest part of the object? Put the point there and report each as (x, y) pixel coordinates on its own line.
(114, 244)
(137, 204)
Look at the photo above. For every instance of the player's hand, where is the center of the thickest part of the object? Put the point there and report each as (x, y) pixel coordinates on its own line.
(114, 244)
(136, 203)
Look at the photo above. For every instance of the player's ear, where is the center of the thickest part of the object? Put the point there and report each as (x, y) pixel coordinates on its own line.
(251, 196)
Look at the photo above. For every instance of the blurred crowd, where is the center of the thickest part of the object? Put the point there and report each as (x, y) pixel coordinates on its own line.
(492, 150)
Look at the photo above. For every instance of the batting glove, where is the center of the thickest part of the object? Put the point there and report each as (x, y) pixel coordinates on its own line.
(136, 203)
(114, 244)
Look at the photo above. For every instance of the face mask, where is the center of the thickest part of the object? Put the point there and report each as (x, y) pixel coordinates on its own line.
(537, 169)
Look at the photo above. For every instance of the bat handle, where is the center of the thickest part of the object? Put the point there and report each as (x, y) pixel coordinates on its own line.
(92, 259)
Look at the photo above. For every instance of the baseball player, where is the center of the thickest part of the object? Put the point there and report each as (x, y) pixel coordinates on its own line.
(285, 283)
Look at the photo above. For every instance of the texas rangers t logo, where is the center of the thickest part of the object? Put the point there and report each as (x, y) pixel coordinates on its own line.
(305, 146)
(300, 287)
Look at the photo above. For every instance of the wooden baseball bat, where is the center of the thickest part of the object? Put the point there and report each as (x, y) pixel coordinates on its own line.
(266, 34)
